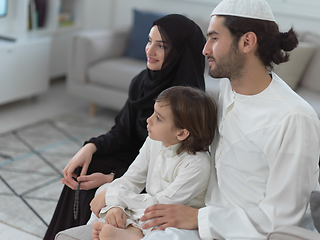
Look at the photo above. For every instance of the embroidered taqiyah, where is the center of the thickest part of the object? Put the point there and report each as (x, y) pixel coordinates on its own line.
(256, 9)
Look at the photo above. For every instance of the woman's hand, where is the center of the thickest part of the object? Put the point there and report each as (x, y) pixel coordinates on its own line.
(98, 202)
(94, 180)
(116, 217)
(170, 215)
(81, 159)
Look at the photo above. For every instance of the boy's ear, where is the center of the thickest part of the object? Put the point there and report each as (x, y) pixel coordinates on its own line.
(183, 134)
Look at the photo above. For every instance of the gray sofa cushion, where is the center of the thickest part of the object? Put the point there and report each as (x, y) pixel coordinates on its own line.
(311, 77)
(116, 72)
(293, 233)
(315, 208)
(77, 233)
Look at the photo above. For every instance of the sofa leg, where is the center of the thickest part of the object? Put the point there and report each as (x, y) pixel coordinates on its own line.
(93, 109)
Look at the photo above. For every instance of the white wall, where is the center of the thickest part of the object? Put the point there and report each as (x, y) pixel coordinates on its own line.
(286, 16)
(98, 14)
(115, 13)
(123, 9)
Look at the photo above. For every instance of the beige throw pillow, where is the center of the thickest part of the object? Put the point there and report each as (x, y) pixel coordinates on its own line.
(292, 71)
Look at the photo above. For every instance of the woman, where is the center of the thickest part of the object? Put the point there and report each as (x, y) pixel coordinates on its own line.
(174, 53)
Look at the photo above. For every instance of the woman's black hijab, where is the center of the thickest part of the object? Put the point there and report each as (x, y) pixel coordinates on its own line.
(183, 65)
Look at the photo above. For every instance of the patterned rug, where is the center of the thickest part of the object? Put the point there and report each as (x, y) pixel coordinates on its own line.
(31, 161)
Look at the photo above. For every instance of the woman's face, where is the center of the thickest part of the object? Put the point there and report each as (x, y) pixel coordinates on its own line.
(155, 49)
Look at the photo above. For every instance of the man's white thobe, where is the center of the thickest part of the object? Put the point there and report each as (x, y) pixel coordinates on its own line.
(265, 166)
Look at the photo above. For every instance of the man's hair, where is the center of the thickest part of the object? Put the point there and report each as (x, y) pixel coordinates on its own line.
(194, 110)
(272, 44)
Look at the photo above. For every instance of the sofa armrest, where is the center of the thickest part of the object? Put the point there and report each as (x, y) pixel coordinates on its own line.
(83, 232)
(293, 233)
(89, 47)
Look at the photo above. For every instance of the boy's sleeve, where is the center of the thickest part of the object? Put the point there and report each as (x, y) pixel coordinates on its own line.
(191, 181)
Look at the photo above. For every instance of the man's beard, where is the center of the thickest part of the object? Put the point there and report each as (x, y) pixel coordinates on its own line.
(228, 66)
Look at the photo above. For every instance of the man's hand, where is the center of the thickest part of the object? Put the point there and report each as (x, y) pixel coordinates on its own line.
(170, 215)
(116, 217)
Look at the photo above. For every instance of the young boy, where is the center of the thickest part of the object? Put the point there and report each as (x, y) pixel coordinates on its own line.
(173, 164)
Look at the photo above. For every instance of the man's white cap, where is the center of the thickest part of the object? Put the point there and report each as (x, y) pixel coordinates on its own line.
(256, 9)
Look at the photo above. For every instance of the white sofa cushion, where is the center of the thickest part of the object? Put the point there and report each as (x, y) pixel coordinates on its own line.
(311, 96)
(83, 232)
(293, 233)
(292, 71)
(116, 72)
(311, 79)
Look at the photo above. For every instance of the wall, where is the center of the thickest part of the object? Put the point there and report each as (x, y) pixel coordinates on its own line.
(98, 14)
(286, 16)
(116, 13)
(123, 9)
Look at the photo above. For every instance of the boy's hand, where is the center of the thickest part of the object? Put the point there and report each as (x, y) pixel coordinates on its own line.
(98, 202)
(116, 217)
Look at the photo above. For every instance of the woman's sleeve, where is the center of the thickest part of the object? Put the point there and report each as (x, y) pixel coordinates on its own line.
(122, 134)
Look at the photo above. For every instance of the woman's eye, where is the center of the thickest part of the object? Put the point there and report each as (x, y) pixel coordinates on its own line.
(158, 119)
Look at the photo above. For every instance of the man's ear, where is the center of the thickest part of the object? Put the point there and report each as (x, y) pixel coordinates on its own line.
(183, 134)
(248, 42)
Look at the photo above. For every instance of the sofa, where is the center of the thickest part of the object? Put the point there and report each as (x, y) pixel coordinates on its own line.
(100, 71)
(101, 63)
(282, 233)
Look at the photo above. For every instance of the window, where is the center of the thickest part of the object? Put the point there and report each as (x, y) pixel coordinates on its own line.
(3, 8)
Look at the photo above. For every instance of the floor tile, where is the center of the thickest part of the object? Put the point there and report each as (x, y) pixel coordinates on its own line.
(37, 139)
(15, 212)
(4, 189)
(9, 156)
(10, 141)
(45, 144)
(11, 233)
(58, 161)
(50, 192)
(44, 208)
(23, 183)
(28, 163)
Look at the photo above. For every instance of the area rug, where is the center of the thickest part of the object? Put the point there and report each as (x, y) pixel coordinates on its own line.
(31, 160)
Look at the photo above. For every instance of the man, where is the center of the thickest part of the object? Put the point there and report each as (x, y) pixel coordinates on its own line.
(266, 160)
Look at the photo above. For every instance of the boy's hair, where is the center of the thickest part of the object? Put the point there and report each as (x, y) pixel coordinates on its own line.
(272, 44)
(194, 110)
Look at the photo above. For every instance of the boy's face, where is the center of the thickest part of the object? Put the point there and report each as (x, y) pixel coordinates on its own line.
(161, 126)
